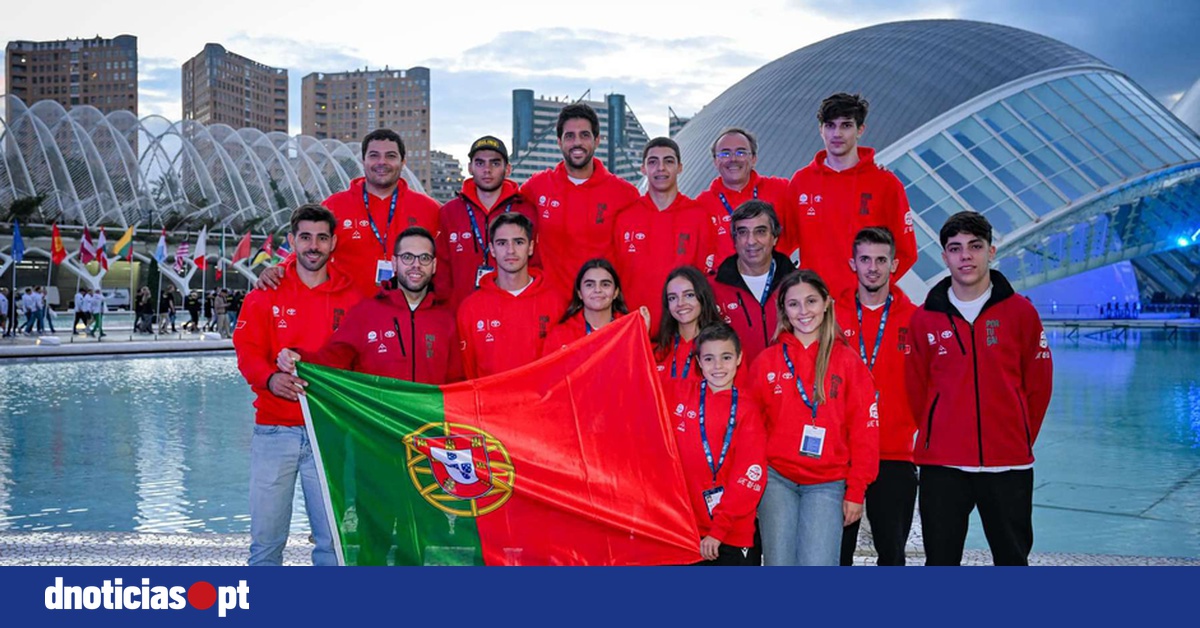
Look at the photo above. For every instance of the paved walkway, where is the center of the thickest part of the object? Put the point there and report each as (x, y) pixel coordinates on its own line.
(120, 339)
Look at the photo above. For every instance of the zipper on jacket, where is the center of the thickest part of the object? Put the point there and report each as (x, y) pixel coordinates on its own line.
(978, 409)
(412, 320)
(745, 312)
(954, 328)
(399, 336)
(929, 424)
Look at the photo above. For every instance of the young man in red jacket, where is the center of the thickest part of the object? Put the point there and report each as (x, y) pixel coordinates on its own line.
(841, 192)
(874, 319)
(400, 333)
(735, 153)
(371, 213)
(463, 249)
(979, 381)
(746, 282)
(662, 231)
(309, 304)
(576, 201)
(503, 324)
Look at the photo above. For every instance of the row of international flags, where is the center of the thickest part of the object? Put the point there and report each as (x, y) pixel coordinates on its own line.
(97, 250)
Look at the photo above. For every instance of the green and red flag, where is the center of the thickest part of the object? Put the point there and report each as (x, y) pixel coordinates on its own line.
(569, 460)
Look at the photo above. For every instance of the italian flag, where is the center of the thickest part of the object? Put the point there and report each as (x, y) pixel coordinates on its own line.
(566, 461)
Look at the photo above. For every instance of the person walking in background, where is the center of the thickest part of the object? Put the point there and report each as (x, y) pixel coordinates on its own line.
(221, 312)
(96, 306)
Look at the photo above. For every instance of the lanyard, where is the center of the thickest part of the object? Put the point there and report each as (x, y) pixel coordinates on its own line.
(725, 202)
(862, 346)
(728, 431)
(766, 294)
(475, 228)
(687, 366)
(391, 214)
(800, 386)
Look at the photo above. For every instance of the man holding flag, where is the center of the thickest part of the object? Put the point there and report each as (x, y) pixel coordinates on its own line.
(302, 313)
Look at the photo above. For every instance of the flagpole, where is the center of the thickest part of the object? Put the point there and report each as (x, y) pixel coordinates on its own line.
(132, 295)
(224, 279)
(156, 300)
(203, 286)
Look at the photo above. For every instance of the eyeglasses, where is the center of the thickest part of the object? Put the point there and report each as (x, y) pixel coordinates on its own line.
(726, 154)
(407, 258)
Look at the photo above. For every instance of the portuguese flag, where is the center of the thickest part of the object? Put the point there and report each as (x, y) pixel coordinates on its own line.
(569, 460)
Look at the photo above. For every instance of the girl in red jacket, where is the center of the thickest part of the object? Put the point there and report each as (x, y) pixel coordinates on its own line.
(688, 305)
(722, 447)
(595, 302)
(822, 440)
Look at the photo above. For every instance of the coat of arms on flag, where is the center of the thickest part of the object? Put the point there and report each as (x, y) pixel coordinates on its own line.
(466, 465)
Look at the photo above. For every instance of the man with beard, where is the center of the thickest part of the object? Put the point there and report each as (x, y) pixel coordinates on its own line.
(371, 213)
(577, 200)
(309, 304)
(874, 319)
(400, 333)
(463, 248)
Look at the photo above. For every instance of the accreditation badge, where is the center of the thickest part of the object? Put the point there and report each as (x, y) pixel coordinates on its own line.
(813, 441)
(712, 497)
(383, 271)
(483, 269)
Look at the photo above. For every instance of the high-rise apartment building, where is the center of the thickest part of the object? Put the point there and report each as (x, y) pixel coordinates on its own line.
(447, 176)
(348, 105)
(99, 72)
(535, 142)
(675, 122)
(220, 87)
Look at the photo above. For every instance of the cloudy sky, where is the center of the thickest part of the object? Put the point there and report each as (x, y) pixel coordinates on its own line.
(659, 54)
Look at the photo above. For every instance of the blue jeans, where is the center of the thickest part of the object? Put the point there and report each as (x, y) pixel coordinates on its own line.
(801, 524)
(277, 455)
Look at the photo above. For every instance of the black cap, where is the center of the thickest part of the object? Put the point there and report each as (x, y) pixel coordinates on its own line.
(488, 142)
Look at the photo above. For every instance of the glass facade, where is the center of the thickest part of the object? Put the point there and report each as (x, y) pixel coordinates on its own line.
(1037, 151)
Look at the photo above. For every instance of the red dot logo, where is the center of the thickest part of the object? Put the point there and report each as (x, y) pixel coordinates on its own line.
(202, 595)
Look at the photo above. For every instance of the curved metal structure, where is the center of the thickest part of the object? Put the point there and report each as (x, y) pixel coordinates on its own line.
(117, 170)
(1074, 164)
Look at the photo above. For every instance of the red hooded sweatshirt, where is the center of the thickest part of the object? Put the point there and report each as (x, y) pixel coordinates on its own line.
(769, 189)
(896, 423)
(979, 390)
(675, 361)
(384, 336)
(742, 474)
(851, 450)
(568, 331)
(499, 331)
(292, 316)
(575, 222)
(649, 243)
(460, 248)
(824, 209)
(358, 248)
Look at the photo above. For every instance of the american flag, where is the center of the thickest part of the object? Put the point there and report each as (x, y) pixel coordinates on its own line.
(181, 256)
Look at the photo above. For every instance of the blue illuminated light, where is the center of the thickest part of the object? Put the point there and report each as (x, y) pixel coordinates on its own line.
(1183, 241)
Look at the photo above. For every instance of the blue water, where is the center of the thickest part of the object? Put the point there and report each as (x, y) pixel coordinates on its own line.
(162, 445)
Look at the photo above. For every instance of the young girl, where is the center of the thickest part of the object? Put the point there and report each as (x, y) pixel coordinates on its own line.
(822, 439)
(688, 306)
(596, 302)
(722, 446)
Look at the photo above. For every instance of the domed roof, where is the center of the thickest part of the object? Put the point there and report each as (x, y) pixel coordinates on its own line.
(1188, 107)
(910, 72)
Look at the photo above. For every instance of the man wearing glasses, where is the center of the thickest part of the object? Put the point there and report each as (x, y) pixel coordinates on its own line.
(735, 153)
(399, 333)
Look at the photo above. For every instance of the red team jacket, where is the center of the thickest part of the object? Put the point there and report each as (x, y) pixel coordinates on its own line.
(743, 474)
(824, 209)
(677, 362)
(754, 323)
(769, 189)
(848, 415)
(648, 244)
(358, 249)
(292, 316)
(575, 222)
(459, 250)
(896, 423)
(979, 390)
(383, 336)
(498, 331)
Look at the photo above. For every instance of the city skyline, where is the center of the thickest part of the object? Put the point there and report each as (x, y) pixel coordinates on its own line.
(658, 56)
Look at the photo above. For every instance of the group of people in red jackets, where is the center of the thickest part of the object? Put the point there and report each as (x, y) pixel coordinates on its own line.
(803, 385)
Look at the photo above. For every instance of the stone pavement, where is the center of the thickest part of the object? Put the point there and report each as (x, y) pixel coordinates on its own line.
(120, 339)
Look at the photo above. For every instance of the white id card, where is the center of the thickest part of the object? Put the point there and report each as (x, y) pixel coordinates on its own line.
(813, 441)
(383, 271)
(712, 497)
(480, 272)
